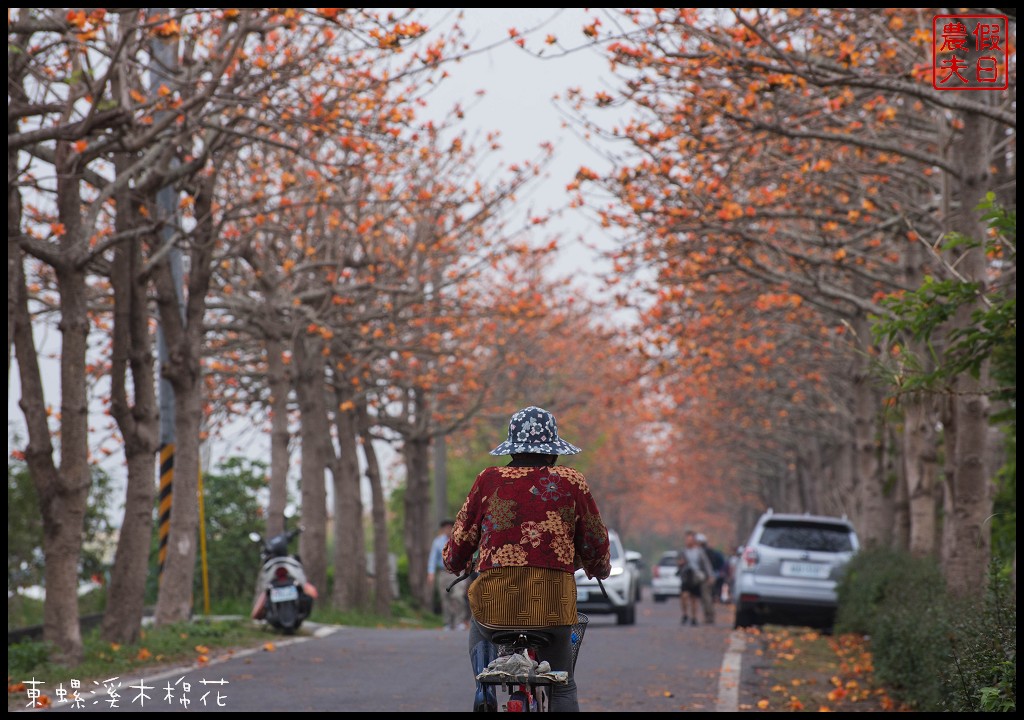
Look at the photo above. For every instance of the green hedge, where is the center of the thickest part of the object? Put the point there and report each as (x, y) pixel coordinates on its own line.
(932, 652)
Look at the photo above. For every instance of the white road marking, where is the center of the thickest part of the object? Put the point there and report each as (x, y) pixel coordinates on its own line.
(729, 678)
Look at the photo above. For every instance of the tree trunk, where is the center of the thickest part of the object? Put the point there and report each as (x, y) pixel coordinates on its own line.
(441, 511)
(920, 465)
(14, 256)
(808, 473)
(350, 591)
(140, 427)
(840, 493)
(792, 498)
(417, 516)
(772, 491)
(874, 513)
(920, 439)
(946, 536)
(62, 497)
(972, 492)
(309, 390)
(896, 489)
(381, 556)
(280, 387)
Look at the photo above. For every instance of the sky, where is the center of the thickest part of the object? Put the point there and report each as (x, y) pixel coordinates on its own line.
(518, 102)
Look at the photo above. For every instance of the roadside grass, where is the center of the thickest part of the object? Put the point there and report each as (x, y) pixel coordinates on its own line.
(158, 648)
(807, 671)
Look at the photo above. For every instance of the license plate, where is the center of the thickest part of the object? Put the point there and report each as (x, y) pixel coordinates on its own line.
(805, 570)
(581, 595)
(284, 594)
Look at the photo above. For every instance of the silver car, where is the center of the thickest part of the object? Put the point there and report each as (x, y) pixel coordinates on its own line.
(790, 567)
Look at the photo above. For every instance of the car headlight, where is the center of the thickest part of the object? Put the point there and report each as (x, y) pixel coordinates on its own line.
(617, 571)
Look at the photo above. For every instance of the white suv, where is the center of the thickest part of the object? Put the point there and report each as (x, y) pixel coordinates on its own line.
(622, 587)
(790, 567)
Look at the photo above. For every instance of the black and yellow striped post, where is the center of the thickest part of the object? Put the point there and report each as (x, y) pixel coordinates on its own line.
(164, 502)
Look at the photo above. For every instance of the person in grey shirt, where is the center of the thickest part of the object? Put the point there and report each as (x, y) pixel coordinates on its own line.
(698, 578)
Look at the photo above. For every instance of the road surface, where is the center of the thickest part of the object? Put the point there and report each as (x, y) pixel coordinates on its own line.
(656, 665)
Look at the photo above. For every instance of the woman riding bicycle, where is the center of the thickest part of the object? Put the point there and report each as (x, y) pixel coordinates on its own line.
(533, 523)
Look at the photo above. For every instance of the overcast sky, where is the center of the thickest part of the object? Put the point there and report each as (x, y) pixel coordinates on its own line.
(518, 101)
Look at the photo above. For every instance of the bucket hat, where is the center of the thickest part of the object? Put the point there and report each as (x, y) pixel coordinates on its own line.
(533, 430)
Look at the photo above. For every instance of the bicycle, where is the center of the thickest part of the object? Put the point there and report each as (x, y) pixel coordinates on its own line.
(521, 684)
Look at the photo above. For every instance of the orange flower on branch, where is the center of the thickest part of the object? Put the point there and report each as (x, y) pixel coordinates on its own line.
(168, 29)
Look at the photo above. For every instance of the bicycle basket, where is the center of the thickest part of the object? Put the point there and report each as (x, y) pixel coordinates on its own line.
(578, 629)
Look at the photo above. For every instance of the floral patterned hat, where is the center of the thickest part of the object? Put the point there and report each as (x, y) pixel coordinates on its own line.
(533, 430)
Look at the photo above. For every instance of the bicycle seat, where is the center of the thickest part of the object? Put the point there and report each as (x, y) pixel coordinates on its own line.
(522, 638)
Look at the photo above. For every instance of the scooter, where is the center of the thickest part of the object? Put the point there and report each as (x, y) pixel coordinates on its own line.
(284, 598)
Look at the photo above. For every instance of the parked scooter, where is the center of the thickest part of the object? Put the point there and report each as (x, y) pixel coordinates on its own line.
(284, 598)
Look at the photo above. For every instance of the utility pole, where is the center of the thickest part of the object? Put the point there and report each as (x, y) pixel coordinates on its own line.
(164, 59)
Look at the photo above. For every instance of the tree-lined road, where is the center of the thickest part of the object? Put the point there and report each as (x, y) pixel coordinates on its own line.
(656, 665)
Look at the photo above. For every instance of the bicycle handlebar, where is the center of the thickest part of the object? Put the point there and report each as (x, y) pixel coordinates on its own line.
(456, 581)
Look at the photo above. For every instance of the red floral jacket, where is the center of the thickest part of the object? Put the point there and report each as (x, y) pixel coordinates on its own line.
(530, 516)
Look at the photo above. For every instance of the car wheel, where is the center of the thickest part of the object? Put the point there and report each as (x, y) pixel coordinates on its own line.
(744, 616)
(626, 615)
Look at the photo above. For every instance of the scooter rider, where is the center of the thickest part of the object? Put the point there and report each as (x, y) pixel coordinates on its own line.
(284, 598)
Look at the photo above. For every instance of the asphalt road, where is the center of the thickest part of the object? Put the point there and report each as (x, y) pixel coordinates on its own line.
(656, 665)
